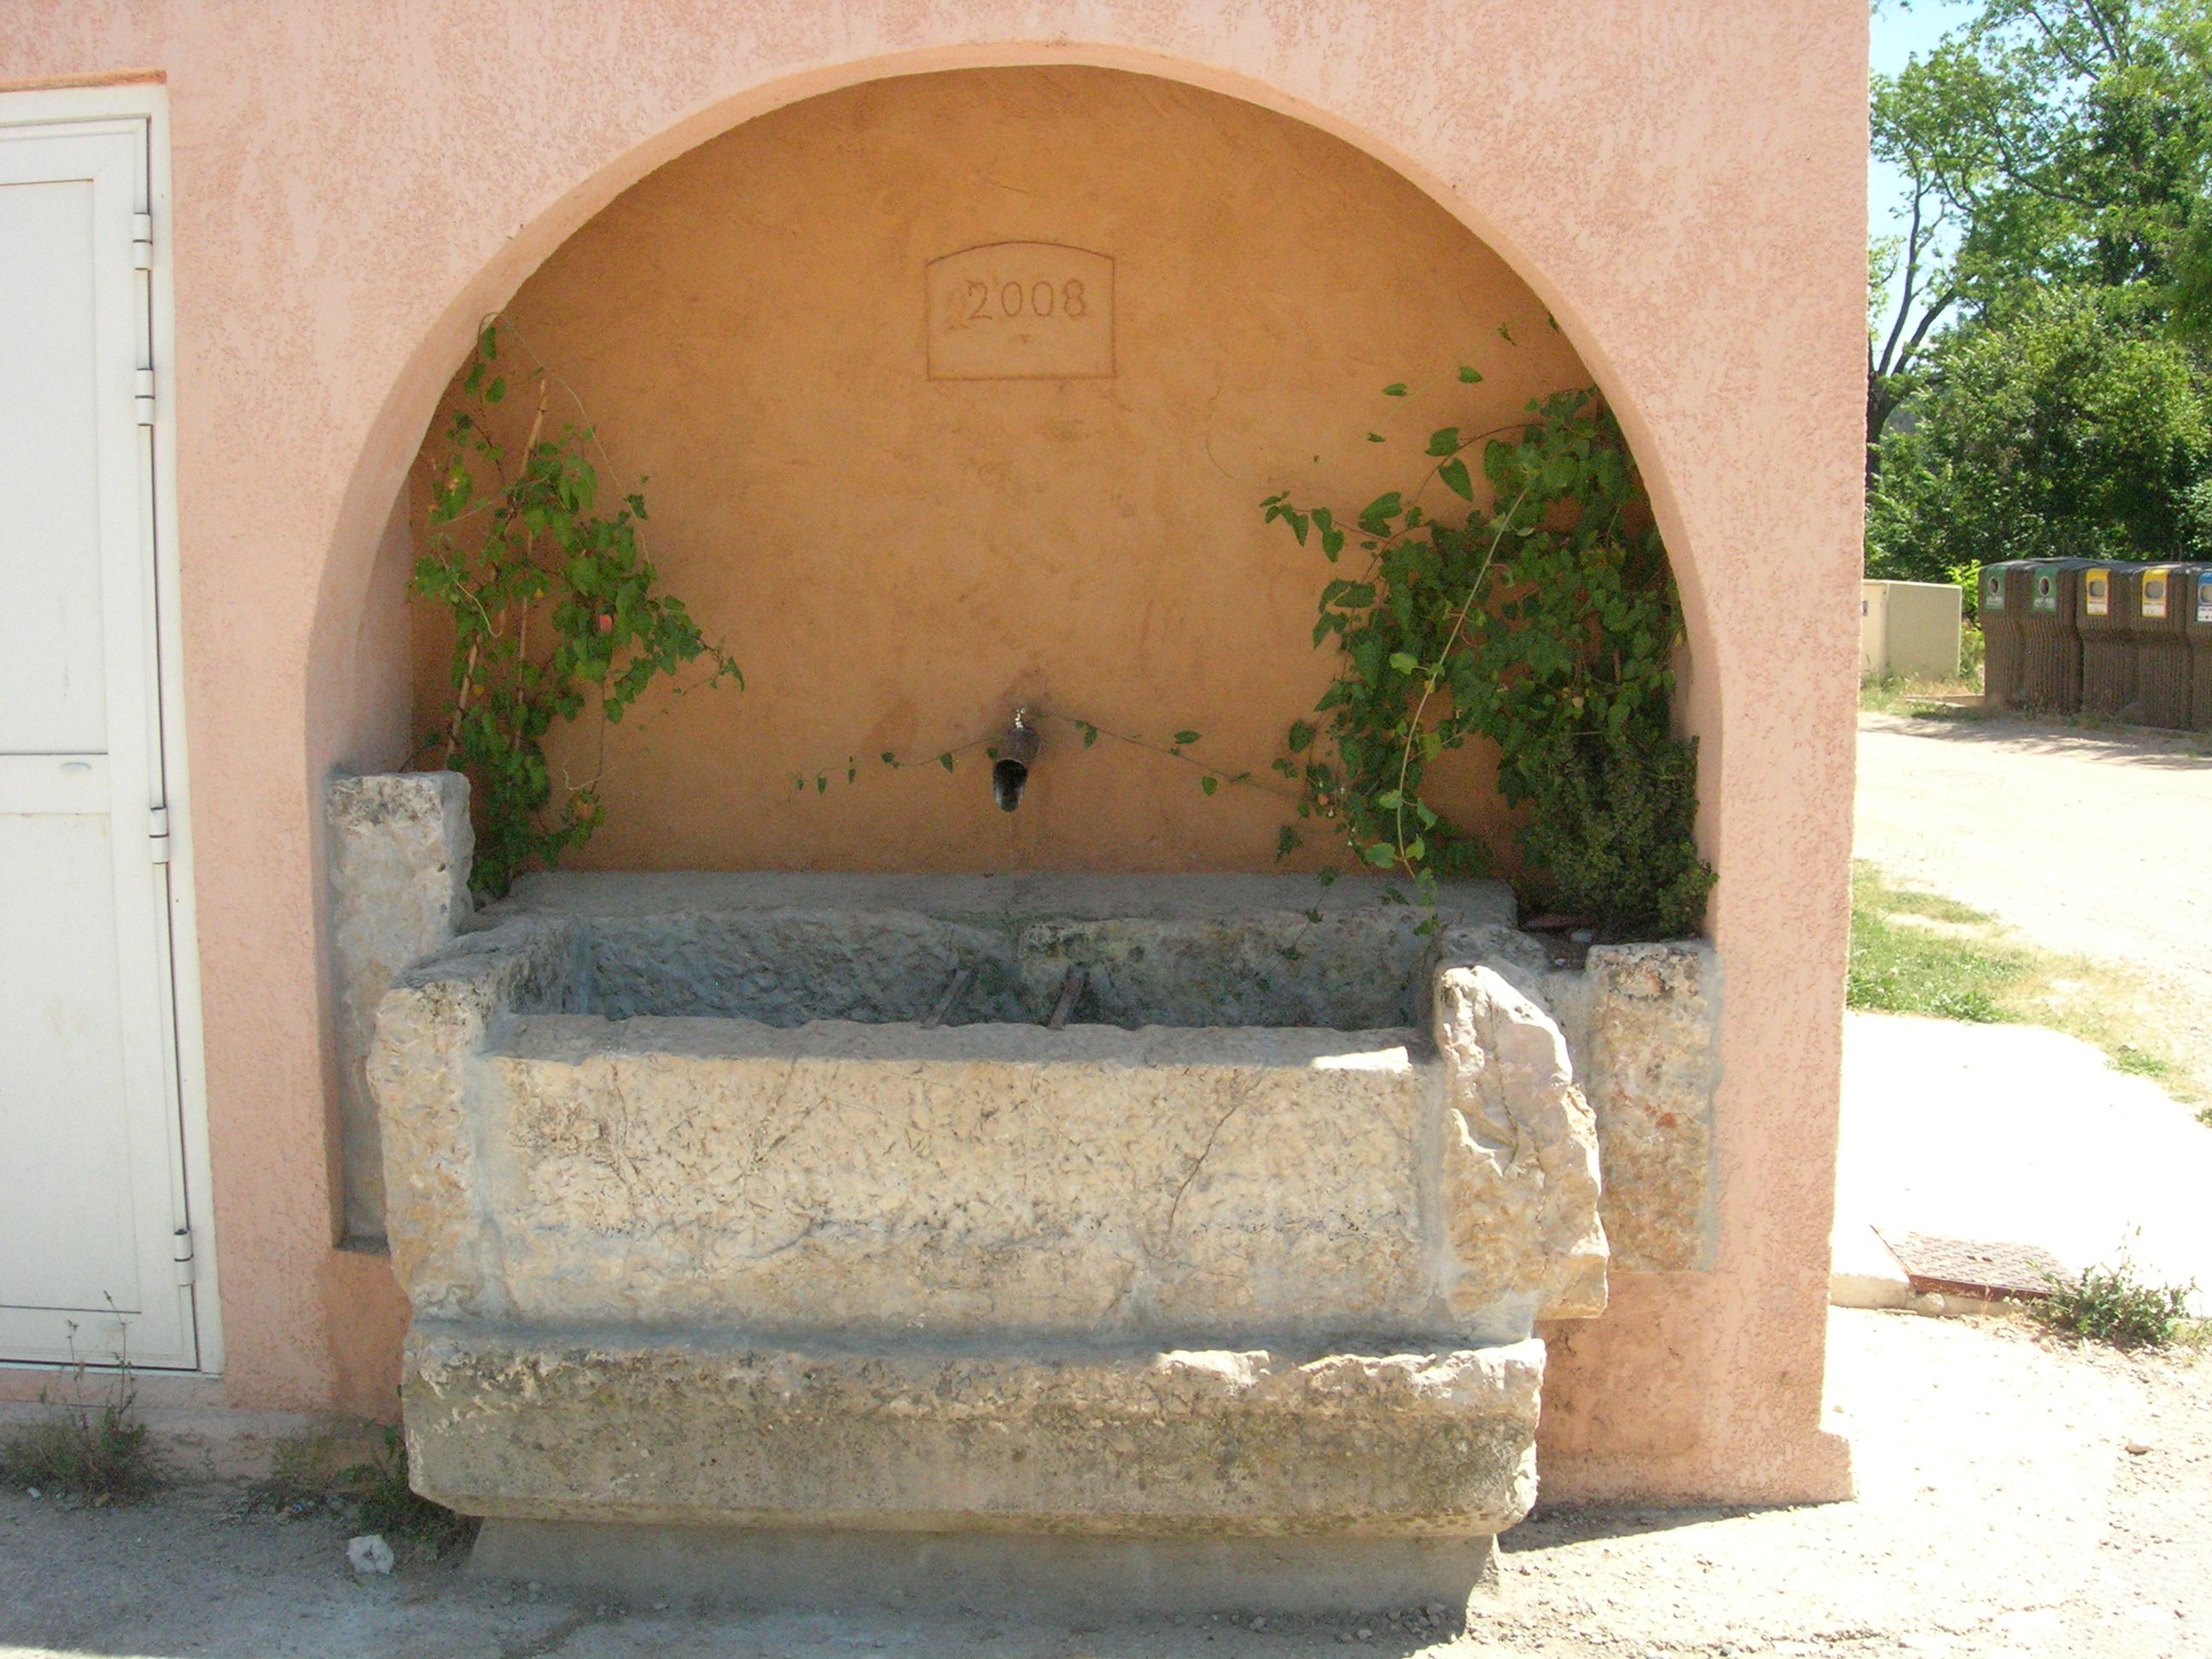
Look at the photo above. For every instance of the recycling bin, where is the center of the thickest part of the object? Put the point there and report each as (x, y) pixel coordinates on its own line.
(2196, 629)
(2004, 594)
(2154, 601)
(2051, 645)
(2102, 596)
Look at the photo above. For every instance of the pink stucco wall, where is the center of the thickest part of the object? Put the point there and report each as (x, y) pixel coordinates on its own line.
(1680, 181)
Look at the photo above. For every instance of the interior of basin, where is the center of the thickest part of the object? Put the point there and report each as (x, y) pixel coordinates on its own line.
(786, 950)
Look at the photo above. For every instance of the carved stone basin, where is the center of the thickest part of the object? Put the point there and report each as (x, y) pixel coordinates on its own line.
(704, 1223)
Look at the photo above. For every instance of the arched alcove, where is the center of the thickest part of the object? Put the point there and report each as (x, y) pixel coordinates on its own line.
(909, 504)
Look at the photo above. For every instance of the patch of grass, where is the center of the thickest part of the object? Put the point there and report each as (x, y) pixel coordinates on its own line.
(2115, 1305)
(1894, 694)
(93, 1444)
(388, 1505)
(1898, 969)
(1918, 952)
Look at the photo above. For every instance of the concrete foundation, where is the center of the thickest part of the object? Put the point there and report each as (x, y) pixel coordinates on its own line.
(1022, 1576)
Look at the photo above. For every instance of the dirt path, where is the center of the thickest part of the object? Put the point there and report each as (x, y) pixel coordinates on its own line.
(2000, 1514)
(2095, 843)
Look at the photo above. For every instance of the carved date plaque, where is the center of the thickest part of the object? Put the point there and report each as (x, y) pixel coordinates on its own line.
(1021, 310)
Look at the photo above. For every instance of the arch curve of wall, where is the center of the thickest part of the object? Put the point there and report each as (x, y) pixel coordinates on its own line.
(405, 412)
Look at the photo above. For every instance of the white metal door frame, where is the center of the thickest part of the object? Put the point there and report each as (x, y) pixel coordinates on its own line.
(91, 108)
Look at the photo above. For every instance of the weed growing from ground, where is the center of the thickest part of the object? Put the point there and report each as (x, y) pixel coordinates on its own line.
(302, 1477)
(387, 1504)
(93, 1445)
(2115, 1305)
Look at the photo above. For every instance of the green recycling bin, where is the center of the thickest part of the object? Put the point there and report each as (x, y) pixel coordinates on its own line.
(2154, 601)
(2005, 592)
(2196, 629)
(2102, 599)
(2050, 646)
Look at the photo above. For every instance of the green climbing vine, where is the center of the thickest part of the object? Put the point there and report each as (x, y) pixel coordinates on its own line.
(557, 616)
(1545, 621)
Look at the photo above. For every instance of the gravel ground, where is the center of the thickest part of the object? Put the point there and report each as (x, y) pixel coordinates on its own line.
(2002, 1511)
(2087, 842)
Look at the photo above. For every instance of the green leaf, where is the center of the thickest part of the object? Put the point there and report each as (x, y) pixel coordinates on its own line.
(1375, 438)
(889, 758)
(1445, 442)
(1301, 737)
(1381, 855)
(1286, 841)
(1396, 389)
(1469, 376)
(945, 760)
(1089, 733)
(1404, 663)
(1505, 334)
(1209, 783)
(1181, 737)
(1453, 473)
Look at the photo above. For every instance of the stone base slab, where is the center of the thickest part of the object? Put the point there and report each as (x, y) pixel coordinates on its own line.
(651, 1427)
(808, 1571)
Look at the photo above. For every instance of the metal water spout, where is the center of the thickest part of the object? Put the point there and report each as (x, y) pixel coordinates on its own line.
(1018, 752)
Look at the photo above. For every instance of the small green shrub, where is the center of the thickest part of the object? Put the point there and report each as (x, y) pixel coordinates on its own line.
(2114, 1305)
(1613, 833)
(387, 1504)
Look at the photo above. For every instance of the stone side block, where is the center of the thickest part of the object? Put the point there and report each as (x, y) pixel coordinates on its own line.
(430, 1026)
(528, 1423)
(400, 847)
(1520, 1166)
(842, 1177)
(1652, 1064)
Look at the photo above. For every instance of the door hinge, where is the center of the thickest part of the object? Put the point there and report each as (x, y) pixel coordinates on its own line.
(180, 1252)
(141, 241)
(144, 390)
(157, 831)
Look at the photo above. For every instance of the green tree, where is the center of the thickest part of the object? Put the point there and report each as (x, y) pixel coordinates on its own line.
(2058, 429)
(2044, 311)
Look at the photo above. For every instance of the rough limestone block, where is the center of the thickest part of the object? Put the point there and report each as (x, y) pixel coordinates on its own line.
(1520, 1164)
(662, 1427)
(400, 847)
(845, 1177)
(1652, 1064)
(430, 1027)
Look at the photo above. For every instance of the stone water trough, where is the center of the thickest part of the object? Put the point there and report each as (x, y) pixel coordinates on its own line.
(770, 1217)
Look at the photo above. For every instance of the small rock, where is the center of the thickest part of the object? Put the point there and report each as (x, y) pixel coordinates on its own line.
(534, 1588)
(35, 1493)
(1363, 1633)
(369, 1552)
(2136, 1449)
(1258, 1623)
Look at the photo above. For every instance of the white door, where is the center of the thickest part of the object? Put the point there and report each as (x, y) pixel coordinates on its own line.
(93, 1215)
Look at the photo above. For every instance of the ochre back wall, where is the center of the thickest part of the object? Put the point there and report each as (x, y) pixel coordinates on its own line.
(898, 561)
